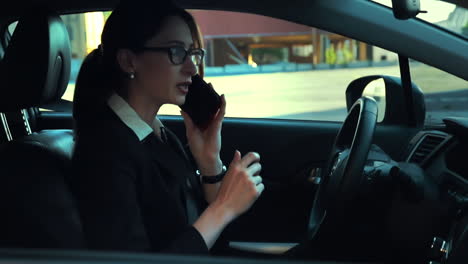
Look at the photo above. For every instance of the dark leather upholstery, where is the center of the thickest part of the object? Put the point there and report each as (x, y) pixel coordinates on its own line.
(37, 207)
(36, 62)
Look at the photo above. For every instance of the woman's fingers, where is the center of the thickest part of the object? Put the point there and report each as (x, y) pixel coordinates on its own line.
(254, 169)
(187, 121)
(250, 158)
(260, 187)
(222, 109)
(242, 184)
(257, 180)
(236, 158)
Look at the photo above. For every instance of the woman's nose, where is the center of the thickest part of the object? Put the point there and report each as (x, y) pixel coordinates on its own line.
(190, 67)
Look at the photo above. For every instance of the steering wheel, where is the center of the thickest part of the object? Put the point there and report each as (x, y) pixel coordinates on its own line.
(341, 179)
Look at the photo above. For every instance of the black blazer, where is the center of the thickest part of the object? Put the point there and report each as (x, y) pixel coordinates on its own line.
(132, 195)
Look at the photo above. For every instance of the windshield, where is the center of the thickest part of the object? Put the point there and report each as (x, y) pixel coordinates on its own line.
(446, 15)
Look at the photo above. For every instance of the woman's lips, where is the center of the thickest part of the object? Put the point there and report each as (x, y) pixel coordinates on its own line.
(183, 87)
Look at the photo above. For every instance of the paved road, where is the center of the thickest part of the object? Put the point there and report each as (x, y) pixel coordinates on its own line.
(292, 95)
(443, 104)
(318, 95)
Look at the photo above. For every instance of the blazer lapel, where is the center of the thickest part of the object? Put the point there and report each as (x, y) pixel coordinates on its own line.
(166, 157)
(174, 174)
(193, 181)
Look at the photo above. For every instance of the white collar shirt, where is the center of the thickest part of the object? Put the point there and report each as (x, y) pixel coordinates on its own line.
(131, 118)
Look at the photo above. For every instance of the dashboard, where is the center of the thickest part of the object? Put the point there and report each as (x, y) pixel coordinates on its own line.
(442, 154)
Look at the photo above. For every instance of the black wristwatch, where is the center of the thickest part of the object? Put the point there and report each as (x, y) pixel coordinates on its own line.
(212, 179)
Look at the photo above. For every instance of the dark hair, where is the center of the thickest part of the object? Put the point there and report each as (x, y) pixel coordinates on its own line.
(130, 26)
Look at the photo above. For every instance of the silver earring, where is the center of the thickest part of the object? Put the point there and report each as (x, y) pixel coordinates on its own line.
(131, 75)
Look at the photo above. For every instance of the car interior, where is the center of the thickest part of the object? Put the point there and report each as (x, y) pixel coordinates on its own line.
(361, 190)
(47, 152)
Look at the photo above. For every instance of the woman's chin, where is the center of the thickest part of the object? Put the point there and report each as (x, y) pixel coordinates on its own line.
(180, 100)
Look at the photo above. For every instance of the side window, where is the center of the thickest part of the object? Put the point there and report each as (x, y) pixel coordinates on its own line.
(444, 94)
(266, 67)
(84, 31)
(271, 68)
(85, 35)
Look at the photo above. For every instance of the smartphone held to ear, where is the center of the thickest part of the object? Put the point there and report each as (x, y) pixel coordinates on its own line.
(201, 102)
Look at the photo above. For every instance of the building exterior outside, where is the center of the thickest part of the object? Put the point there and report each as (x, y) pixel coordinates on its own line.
(238, 38)
(248, 41)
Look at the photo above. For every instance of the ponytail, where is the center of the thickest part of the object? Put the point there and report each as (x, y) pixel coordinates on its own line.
(93, 87)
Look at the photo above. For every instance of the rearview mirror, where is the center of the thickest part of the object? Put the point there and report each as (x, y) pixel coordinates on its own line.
(405, 9)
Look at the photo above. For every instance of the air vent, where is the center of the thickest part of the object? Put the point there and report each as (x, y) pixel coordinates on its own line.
(425, 148)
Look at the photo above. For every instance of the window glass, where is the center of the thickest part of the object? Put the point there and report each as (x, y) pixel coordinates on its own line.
(271, 68)
(449, 16)
(444, 94)
(266, 67)
(85, 35)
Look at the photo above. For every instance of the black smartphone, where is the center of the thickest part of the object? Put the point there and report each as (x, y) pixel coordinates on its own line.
(201, 102)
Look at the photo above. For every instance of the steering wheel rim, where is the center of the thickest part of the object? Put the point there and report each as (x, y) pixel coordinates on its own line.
(341, 178)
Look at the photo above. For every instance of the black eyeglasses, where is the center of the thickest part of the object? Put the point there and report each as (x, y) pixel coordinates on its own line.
(178, 54)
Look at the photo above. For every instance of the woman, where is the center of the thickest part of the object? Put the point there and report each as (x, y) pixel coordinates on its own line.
(135, 185)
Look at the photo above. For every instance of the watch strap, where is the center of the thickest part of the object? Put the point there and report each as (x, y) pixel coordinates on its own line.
(213, 179)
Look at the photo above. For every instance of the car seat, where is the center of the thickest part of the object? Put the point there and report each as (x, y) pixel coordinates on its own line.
(36, 205)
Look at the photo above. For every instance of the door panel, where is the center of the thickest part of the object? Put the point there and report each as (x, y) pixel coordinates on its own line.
(288, 150)
(285, 147)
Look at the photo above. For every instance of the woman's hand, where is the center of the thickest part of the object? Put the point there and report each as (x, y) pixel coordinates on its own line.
(205, 145)
(241, 185)
(239, 189)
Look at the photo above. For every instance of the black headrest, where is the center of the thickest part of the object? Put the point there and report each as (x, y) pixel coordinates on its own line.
(36, 66)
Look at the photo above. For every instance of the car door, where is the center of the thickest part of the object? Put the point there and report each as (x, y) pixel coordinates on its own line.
(286, 100)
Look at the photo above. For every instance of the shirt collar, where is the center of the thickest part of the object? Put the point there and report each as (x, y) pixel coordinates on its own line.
(131, 119)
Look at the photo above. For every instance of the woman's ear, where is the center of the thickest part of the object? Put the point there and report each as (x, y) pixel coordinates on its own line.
(126, 60)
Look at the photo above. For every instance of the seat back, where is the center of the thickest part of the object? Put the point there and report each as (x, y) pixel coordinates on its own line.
(38, 208)
(36, 62)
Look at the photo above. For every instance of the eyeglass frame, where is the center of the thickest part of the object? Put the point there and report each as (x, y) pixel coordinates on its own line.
(169, 53)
